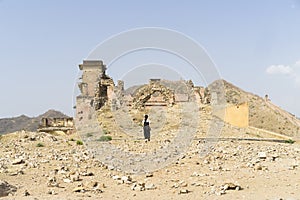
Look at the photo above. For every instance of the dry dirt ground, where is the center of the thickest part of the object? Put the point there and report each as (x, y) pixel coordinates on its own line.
(53, 167)
(46, 166)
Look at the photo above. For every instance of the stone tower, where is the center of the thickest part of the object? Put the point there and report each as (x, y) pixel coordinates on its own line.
(95, 89)
(92, 70)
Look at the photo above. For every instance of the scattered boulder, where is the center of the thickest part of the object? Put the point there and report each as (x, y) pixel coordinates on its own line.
(75, 177)
(26, 193)
(52, 192)
(184, 191)
(116, 177)
(18, 161)
(230, 186)
(79, 189)
(126, 179)
(148, 175)
(262, 155)
(52, 182)
(138, 187)
(66, 180)
(6, 188)
(150, 186)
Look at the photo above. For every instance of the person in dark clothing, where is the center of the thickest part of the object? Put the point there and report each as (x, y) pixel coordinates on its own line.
(146, 128)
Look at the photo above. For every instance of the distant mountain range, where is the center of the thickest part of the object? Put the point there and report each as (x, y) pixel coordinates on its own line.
(23, 122)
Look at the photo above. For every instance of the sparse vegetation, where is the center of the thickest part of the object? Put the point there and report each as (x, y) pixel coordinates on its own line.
(79, 142)
(40, 144)
(105, 138)
(290, 141)
(105, 131)
(89, 135)
(72, 139)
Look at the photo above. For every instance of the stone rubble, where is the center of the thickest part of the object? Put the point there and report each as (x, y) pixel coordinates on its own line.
(6, 188)
(75, 170)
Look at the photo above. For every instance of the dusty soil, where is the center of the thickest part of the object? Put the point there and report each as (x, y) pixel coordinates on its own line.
(45, 166)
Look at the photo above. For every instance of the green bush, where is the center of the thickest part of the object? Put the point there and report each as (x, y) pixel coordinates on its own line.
(79, 142)
(40, 144)
(104, 138)
(289, 141)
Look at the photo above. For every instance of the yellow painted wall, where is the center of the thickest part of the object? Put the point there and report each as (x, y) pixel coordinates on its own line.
(237, 115)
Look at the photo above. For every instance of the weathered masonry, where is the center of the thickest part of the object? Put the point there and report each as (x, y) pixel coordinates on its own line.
(95, 89)
(98, 89)
(56, 125)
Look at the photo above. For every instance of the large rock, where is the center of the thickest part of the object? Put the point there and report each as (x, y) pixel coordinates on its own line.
(6, 188)
(18, 161)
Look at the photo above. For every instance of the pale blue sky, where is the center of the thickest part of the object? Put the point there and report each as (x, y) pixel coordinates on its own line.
(255, 45)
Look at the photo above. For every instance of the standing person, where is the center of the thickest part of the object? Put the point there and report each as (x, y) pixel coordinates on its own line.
(146, 127)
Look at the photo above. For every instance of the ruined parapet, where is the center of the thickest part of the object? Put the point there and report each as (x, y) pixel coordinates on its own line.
(190, 90)
(50, 125)
(104, 92)
(96, 89)
(91, 70)
(201, 95)
(146, 92)
(118, 98)
(120, 85)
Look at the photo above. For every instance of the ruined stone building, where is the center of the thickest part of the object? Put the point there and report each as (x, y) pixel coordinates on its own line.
(95, 89)
(98, 89)
(56, 125)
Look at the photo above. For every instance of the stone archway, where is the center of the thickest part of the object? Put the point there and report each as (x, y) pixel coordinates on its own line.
(145, 93)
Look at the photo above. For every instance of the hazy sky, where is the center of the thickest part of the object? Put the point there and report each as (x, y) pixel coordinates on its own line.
(255, 45)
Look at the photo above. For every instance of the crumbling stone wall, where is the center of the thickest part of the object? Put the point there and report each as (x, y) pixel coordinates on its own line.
(96, 89)
(145, 93)
(202, 95)
(55, 125)
(57, 122)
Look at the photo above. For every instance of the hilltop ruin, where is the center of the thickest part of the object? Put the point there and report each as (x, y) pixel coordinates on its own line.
(98, 89)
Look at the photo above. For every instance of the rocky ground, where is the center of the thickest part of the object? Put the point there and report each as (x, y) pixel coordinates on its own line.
(44, 166)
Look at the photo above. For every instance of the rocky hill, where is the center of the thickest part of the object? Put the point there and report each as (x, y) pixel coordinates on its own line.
(23, 122)
(263, 113)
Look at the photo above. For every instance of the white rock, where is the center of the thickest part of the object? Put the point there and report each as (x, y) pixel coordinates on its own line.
(150, 186)
(66, 180)
(262, 155)
(79, 189)
(75, 177)
(116, 177)
(184, 191)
